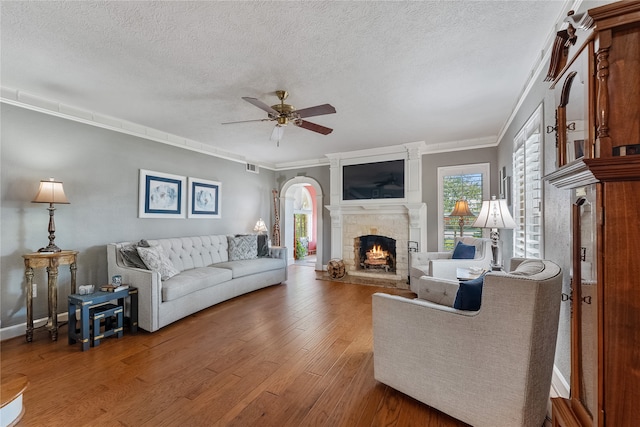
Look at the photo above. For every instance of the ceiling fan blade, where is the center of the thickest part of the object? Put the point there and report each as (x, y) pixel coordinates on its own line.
(277, 134)
(247, 121)
(313, 126)
(318, 110)
(261, 105)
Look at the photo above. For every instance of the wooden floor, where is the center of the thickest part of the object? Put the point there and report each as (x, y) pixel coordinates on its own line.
(299, 354)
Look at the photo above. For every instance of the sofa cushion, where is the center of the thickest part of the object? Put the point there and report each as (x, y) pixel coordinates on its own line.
(469, 295)
(242, 268)
(193, 280)
(155, 259)
(243, 247)
(463, 251)
(529, 267)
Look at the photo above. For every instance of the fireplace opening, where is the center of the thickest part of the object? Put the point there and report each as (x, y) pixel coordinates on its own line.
(376, 253)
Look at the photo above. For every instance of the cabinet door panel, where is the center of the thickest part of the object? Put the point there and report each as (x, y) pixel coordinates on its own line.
(621, 291)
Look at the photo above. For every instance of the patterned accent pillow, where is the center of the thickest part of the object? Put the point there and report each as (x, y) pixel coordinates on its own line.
(156, 260)
(130, 257)
(243, 247)
(529, 267)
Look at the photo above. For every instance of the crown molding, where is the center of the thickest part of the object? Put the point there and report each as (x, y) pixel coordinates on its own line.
(540, 64)
(43, 105)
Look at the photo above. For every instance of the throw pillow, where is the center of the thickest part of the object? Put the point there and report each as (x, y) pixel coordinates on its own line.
(529, 267)
(263, 245)
(243, 247)
(469, 294)
(156, 260)
(130, 256)
(463, 251)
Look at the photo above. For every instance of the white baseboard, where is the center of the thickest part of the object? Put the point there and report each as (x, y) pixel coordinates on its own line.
(21, 329)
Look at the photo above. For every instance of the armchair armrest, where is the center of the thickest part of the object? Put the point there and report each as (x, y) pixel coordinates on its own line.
(437, 290)
(446, 268)
(419, 258)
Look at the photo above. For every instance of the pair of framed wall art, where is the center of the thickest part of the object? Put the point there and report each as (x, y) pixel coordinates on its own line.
(163, 195)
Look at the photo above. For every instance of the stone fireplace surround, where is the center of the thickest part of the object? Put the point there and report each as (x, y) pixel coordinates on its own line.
(401, 219)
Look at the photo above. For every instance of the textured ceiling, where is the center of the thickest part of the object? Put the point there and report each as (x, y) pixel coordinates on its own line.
(396, 72)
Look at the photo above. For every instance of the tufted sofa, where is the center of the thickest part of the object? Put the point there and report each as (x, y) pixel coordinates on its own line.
(206, 275)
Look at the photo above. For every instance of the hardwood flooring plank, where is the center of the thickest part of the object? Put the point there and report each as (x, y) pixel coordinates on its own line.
(296, 354)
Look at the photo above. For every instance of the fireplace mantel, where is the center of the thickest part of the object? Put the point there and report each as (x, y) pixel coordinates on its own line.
(403, 219)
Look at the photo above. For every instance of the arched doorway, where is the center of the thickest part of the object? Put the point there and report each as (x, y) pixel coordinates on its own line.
(287, 202)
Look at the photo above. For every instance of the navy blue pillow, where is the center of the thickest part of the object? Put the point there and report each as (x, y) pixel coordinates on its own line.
(463, 251)
(469, 294)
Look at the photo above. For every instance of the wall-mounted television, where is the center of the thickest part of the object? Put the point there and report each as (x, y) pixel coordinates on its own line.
(379, 180)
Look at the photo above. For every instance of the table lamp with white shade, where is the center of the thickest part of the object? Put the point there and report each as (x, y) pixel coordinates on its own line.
(494, 215)
(51, 192)
(260, 227)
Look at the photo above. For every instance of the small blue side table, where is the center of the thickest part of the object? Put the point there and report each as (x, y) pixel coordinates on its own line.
(86, 302)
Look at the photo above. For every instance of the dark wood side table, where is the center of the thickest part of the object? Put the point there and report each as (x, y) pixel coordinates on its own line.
(50, 261)
(85, 302)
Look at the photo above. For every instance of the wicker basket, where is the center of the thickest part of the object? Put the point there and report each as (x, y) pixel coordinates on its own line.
(335, 268)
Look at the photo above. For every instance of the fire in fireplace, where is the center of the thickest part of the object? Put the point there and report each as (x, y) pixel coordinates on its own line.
(375, 252)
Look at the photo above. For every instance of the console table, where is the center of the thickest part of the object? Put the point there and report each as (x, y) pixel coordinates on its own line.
(50, 261)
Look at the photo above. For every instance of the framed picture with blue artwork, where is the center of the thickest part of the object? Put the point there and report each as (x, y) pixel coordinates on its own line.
(161, 195)
(204, 198)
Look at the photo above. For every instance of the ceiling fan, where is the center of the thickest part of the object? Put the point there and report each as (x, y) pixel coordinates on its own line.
(283, 114)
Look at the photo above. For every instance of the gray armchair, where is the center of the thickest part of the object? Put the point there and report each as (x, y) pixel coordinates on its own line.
(490, 367)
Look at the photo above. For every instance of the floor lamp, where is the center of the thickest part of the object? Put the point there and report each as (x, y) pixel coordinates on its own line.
(495, 215)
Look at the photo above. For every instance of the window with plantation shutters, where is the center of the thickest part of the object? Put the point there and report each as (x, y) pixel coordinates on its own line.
(527, 189)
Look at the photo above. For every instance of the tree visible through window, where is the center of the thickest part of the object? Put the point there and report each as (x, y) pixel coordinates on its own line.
(457, 187)
(469, 182)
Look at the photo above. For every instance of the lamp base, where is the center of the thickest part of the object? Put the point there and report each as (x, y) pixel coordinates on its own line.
(50, 248)
(496, 265)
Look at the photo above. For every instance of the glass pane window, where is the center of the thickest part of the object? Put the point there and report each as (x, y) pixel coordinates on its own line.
(456, 187)
(468, 182)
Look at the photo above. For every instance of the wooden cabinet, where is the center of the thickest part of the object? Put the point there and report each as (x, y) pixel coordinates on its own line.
(605, 189)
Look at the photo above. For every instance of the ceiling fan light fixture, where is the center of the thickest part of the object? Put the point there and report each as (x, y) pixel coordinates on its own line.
(283, 113)
(276, 135)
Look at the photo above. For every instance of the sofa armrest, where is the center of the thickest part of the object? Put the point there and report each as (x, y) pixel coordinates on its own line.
(280, 252)
(149, 287)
